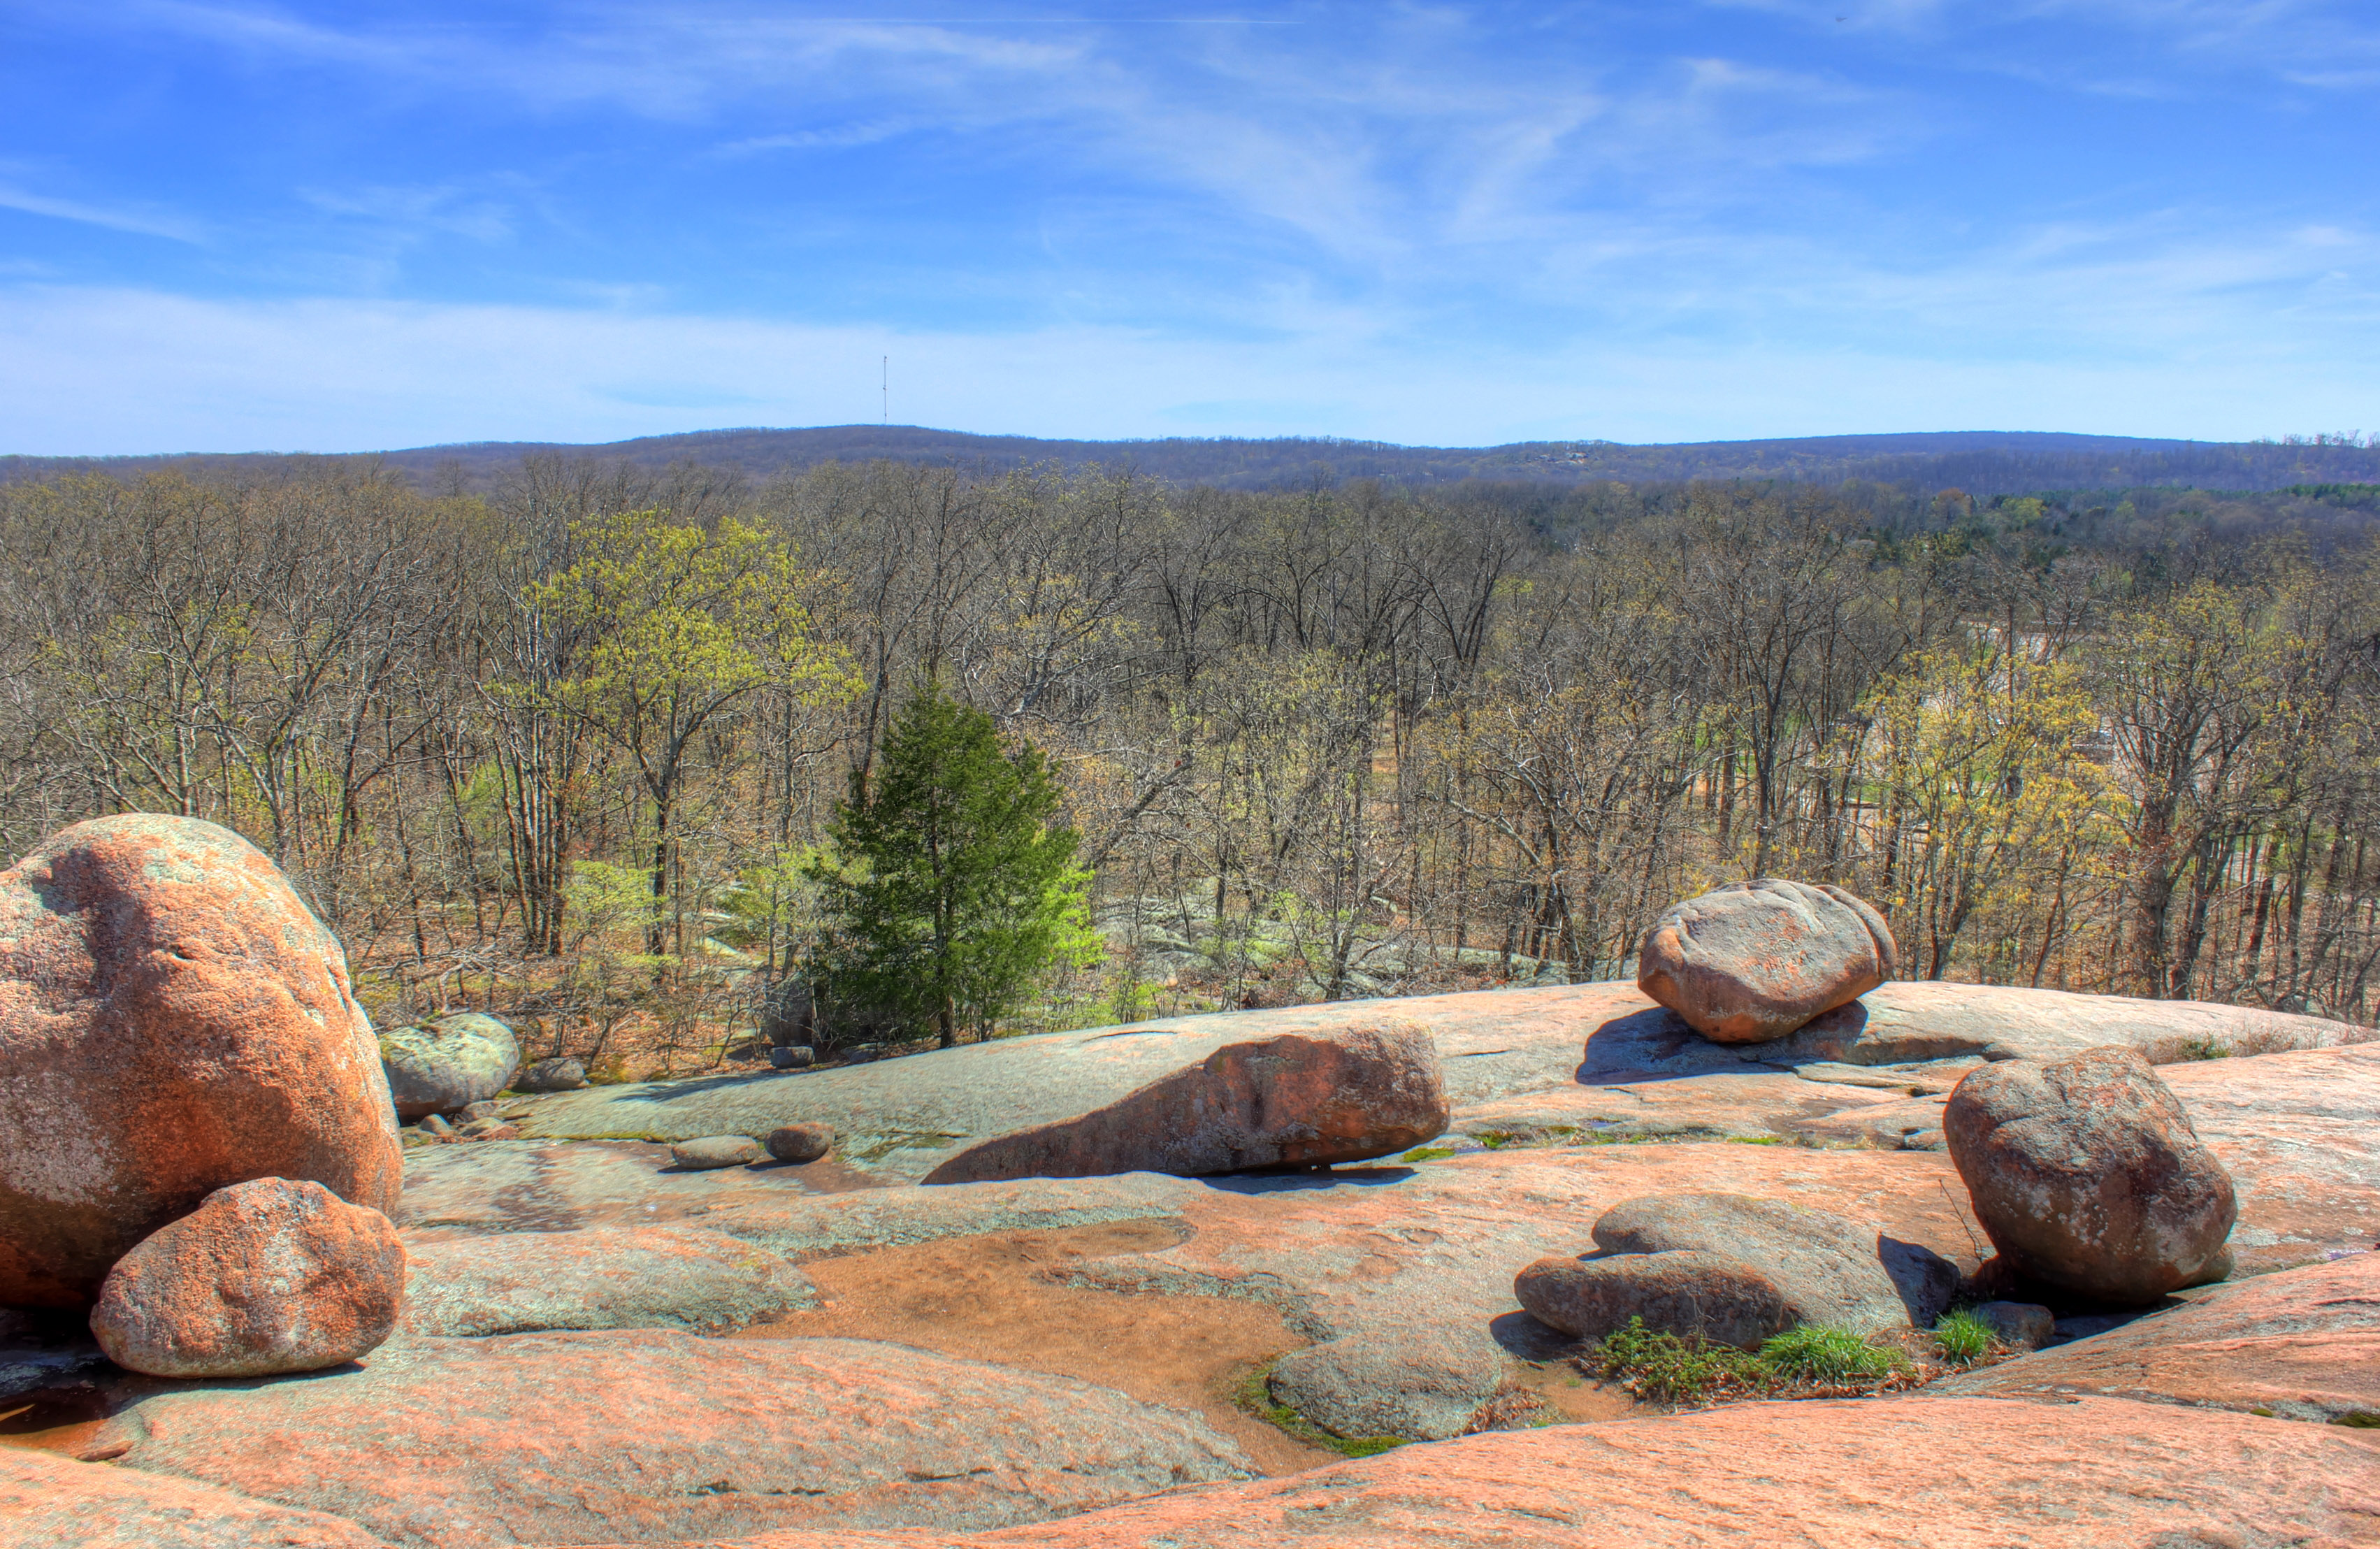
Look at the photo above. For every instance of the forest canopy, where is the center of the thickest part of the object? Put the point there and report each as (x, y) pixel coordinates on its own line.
(570, 748)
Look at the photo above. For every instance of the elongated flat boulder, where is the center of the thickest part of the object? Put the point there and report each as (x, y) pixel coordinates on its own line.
(1949, 1473)
(546, 1438)
(172, 1019)
(2304, 1345)
(1294, 1098)
(47, 1502)
(1752, 961)
(472, 1286)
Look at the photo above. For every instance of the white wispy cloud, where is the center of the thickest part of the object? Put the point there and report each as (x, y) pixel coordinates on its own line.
(139, 221)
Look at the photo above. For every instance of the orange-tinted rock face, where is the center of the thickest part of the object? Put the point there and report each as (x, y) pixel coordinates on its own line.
(1296, 1099)
(56, 1502)
(1755, 961)
(1947, 1474)
(263, 1277)
(172, 1019)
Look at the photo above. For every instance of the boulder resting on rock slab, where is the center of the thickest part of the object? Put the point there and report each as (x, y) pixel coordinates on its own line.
(445, 1066)
(1293, 1099)
(48, 1502)
(472, 1286)
(2086, 1175)
(706, 1153)
(573, 1438)
(800, 1143)
(1735, 1269)
(265, 1278)
(2302, 1344)
(1755, 961)
(561, 1073)
(172, 1019)
(1862, 1473)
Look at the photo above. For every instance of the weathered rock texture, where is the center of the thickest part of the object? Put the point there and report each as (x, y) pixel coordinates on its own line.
(799, 1142)
(2088, 1177)
(1735, 1269)
(1509, 1059)
(172, 1021)
(559, 1074)
(1755, 961)
(707, 1152)
(1958, 1473)
(675, 1277)
(553, 1438)
(1360, 1093)
(445, 1066)
(48, 1502)
(263, 1277)
(2304, 1345)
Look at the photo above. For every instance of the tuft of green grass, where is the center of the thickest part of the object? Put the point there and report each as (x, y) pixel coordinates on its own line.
(2205, 1048)
(1960, 1336)
(1668, 1369)
(1254, 1395)
(1815, 1353)
(1755, 1140)
(2359, 1420)
(1428, 1153)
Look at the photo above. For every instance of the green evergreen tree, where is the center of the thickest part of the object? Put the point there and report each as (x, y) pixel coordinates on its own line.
(952, 886)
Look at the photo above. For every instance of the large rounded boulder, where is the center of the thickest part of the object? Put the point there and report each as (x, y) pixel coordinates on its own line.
(445, 1066)
(263, 1277)
(1755, 961)
(172, 1019)
(2086, 1175)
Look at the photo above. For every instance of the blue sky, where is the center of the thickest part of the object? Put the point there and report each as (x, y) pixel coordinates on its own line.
(227, 225)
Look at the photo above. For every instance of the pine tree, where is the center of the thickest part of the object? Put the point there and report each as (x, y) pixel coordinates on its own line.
(952, 886)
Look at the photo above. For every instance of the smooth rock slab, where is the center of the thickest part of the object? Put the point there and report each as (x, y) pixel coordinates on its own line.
(47, 1502)
(265, 1278)
(1736, 1269)
(1889, 1473)
(553, 1438)
(469, 1286)
(2087, 1175)
(1292, 1099)
(172, 1019)
(446, 1066)
(2304, 1345)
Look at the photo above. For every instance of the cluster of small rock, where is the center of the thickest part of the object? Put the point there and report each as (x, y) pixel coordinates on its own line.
(2084, 1172)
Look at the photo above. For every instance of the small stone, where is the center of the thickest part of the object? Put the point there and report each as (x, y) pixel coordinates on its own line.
(265, 1276)
(433, 1126)
(717, 1151)
(2020, 1326)
(800, 1143)
(2086, 1175)
(793, 1058)
(559, 1074)
(477, 1110)
(489, 1129)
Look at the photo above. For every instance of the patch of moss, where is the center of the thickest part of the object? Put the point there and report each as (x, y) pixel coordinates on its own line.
(1428, 1153)
(1254, 1395)
(2359, 1420)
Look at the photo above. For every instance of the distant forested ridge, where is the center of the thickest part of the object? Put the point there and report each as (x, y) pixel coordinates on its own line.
(1979, 462)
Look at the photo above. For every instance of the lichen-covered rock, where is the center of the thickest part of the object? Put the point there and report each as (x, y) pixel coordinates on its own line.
(263, 1277)
(172, 1019)
(1735, 1269)
(1311, 1099)
(1755, 961)
(445, 1066)
(2086, 1175)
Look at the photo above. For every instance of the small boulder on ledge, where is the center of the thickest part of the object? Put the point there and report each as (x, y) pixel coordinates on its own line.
(800, 1143)
(711, 1152)
(1756, 961)
(2086, 1175)
(445, 1066)
(266, 1276)
(559, 1074)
